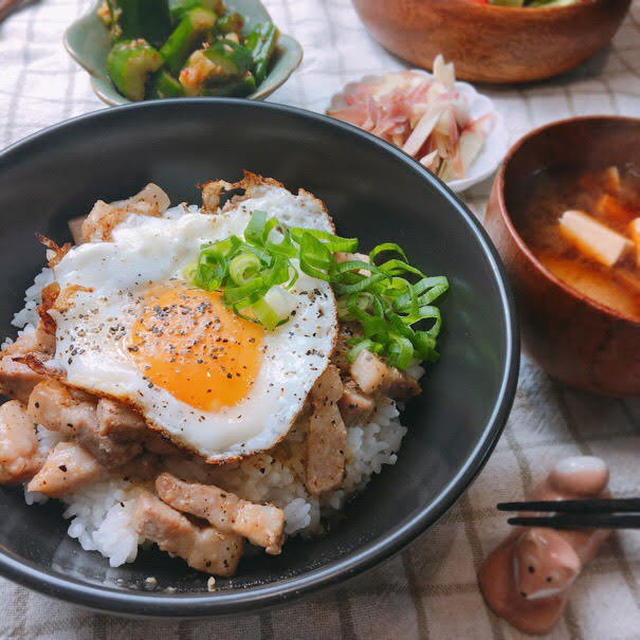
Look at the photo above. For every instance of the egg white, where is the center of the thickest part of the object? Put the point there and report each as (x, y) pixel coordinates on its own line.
(91, 330)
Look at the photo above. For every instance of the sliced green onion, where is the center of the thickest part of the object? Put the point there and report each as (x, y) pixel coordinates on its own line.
(391, 302)
(396, 267)
(400, 351)
(255, 230)
(285, 248)
(233, 295)
(294, 275)
(281, 301)
(264, 256)
(265, 314)
(244, 267)
(384, 247)
(425, 346)
(333, 243)
(361, 285)
(315, 259)
(190, 272)
(369, 345)
(341, 268)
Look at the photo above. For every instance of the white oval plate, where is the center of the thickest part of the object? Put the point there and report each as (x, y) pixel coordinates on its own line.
(496, 143)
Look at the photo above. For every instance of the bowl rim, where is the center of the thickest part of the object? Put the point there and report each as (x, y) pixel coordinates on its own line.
(151, 604)
(521, 11)
(523, 247)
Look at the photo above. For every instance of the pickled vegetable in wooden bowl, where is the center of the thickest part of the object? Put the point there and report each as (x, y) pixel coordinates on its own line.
(493, 43)
(565, 215)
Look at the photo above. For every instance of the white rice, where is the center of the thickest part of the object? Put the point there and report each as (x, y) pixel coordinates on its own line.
(101, 513)
(101, 520)
(27, 318)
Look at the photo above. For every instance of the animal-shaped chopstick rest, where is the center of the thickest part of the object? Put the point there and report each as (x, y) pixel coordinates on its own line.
(526, 580)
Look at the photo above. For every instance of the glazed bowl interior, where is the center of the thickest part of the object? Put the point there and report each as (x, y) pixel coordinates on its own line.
(374, 192)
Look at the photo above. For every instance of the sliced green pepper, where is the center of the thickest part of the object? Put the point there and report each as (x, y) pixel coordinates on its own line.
(222, 63)
(231, 61)
(129, 63)
(148, 19)
(230, 23)
(262, 43)
(164, 85)
(180, 8)
(242, 88)
(186, 37)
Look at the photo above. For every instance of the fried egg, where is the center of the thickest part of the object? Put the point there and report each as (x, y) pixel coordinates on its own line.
(130, 326)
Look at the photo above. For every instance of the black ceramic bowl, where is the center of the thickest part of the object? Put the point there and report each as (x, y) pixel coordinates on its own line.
(374, 192)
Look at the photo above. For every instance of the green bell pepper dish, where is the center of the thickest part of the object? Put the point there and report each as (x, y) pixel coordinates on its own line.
(188, 48)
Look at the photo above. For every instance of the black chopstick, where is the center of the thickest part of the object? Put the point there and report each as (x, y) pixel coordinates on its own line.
(580, 521)
(590, 513)
(595, 505)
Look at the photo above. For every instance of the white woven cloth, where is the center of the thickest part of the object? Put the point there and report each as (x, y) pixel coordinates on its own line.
(430, 590)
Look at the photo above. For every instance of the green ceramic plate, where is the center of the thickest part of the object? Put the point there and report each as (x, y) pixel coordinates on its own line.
(87, 40)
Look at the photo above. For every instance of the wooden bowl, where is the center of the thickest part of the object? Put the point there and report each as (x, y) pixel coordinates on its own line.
(575, 339)
(493, 43)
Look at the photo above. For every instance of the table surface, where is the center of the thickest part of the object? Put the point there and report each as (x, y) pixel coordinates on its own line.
(430, 590)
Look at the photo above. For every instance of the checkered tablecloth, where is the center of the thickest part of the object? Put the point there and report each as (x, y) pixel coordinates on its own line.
(429, 591)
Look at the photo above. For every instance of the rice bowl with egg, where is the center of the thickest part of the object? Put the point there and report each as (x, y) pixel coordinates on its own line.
(261, 467)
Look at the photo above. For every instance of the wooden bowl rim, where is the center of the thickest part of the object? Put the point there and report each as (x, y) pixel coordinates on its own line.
(514, 233)
(526, 11)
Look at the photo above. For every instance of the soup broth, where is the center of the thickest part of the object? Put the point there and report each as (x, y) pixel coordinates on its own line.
(610, 197)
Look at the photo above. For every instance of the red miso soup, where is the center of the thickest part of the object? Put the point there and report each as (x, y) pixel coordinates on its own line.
(584, 227)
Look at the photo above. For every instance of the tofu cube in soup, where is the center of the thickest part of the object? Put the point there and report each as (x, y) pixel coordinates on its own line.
(593, 239)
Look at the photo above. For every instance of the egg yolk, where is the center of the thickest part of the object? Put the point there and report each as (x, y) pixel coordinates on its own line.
(187, 342)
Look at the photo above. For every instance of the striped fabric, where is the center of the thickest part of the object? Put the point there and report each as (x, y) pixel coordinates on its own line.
(430, 590)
